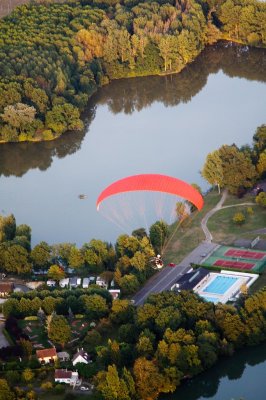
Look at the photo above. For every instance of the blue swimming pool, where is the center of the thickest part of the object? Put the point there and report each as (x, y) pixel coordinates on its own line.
(212, 299)
(220, 284)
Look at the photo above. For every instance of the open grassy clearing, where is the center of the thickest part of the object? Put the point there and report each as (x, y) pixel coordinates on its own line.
(188, 236)
(225, 231)
(6, 6)
(231, 199)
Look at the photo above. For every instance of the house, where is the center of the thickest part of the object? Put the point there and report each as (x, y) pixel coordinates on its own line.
(115, 293)
(74, 282)
(46, 355)
(81, 357)
(85, 283)
(64, 282)
(6, 288)
(51, 283)
(101, 282)
(65, 376)
(63, 356)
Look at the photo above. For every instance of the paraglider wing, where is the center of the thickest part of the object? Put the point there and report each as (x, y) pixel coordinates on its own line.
(155, 183)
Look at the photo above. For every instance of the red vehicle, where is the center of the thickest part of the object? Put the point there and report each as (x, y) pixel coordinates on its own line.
(171, 265)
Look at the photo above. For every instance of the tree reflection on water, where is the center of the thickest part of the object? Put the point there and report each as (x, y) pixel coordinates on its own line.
(131, 95)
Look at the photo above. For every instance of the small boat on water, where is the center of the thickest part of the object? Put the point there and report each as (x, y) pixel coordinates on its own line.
(82, 196)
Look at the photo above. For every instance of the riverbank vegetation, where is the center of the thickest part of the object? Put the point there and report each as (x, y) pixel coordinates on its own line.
(54, 56)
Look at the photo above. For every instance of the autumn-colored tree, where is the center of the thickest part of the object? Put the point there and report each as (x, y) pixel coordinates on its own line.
(55, 272)
(19, 115)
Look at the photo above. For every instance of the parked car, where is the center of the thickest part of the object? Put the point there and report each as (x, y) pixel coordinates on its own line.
(84, 388)
(171, 265)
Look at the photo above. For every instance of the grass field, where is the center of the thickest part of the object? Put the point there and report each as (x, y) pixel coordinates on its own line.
(190, 235)
(225, 231)
(6, 6)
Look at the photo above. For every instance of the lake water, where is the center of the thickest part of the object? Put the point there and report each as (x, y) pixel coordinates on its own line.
(163, 125)
(240, 377)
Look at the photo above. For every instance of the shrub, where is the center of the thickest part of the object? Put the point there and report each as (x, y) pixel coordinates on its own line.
(239, 218)
(59, 389)
(47, 385)
(79, 316)
(250, 211)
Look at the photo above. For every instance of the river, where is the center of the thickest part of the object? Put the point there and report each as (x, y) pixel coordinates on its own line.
(163, 125)
(240, 377)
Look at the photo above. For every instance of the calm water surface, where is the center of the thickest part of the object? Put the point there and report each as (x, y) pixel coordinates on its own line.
(240, 377)
(161, 125)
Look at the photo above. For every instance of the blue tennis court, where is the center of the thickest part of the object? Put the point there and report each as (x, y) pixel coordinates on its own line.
(220, 284)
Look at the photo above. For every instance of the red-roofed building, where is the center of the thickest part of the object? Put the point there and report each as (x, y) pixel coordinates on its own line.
(6, 288)
(46, 355)
(65, 376)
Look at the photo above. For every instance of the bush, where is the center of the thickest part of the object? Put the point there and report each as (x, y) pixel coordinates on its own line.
(79, 316)
(59, 389)
(239, 218)
(250, 211)
(47, 385)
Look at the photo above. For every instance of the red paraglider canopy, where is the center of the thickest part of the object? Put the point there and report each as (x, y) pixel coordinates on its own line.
(155, 183)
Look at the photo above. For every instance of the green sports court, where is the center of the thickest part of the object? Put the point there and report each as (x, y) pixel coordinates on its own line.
(237, 258)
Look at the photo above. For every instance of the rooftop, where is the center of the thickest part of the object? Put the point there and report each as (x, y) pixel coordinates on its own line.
(45, 353)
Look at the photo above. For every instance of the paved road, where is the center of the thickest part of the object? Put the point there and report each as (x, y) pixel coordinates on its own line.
(165, 279)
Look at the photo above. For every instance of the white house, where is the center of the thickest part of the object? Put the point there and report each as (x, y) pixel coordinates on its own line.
(64, 282)
(81, 357)
(63, 356)
(51, 283)
(85, 283)
(101, 282)
(115, 293)
(65, 376)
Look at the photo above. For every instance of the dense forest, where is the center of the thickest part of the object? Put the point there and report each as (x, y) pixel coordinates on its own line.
(55, 55)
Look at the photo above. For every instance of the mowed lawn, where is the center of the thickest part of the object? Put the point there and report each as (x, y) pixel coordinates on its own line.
(225, 231)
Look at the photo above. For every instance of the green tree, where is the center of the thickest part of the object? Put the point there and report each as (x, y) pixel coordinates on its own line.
(111, 386)
(27, 375)
(16, 260)
(158, 235)
(259, 138)
(261, 165)
(7, 227)
(212, 170)
(76, 258)
(59, 330)
(129, 284)
(5, 391)
(238, 170)
(41, 255)
(95, 306)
